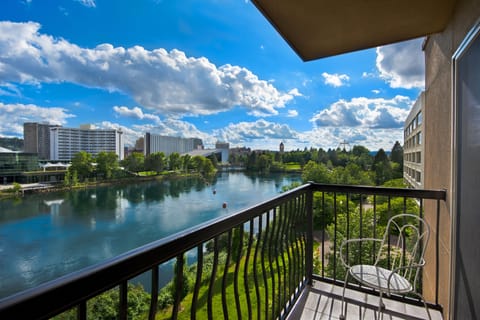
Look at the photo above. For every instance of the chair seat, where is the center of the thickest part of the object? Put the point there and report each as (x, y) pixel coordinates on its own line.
(377, 277)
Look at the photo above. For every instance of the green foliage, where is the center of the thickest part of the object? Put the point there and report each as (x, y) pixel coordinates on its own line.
(354, 228)
(82, 163)
(105, 306)
(381, 167)
(174, 161)
(107, 164)
(156, 161)
(134, 162)
(316, 172)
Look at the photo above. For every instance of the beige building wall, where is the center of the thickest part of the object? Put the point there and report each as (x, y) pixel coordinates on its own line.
(439, 49)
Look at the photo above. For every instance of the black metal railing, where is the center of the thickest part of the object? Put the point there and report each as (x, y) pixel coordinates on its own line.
(252, 264)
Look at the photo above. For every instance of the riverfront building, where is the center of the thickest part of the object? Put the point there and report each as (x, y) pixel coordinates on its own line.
(413, 146)
(13, 164)
(66, 142)
(167, 145)
(36, 138)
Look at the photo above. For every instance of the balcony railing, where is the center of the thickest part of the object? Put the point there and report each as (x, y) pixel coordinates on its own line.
(252, 264)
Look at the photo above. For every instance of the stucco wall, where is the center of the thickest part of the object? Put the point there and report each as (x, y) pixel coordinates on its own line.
(439, 49)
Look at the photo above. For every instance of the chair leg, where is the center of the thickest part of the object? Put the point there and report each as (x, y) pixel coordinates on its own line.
(344, 311)
(424, 304)
(381, 306)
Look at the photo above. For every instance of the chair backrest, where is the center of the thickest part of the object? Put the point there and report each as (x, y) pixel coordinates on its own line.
(403, 246)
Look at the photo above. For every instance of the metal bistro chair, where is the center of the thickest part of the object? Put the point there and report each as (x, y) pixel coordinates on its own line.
(405, 239)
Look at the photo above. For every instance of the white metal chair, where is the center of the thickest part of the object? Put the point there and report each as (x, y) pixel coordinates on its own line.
(404, 242)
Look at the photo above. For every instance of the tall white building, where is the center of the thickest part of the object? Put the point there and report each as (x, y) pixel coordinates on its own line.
(66, 142)
(167, 145)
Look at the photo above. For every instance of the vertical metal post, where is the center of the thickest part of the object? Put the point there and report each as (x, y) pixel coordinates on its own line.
(309, 244)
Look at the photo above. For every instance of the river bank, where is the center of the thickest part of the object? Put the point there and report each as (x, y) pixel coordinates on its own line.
(20, 190)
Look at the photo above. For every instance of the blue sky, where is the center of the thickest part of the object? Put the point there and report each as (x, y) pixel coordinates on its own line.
(213, 69)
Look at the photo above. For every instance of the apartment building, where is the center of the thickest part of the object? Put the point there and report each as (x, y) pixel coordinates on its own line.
(66, 142)
(36, 138)
(413, 145)
(167, 145)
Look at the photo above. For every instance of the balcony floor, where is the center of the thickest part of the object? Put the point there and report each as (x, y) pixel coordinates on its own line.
(324, 301)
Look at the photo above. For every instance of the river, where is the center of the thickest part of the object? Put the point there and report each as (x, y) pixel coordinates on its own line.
(45, 236)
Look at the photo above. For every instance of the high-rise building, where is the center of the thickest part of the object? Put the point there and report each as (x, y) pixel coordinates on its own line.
(36, 138)
(167, 145)
(413, 145)
(66, 142)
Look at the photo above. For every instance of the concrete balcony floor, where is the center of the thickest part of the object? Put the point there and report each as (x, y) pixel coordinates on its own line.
(324, 301)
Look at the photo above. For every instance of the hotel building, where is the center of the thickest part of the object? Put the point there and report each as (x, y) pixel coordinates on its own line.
(66, 142)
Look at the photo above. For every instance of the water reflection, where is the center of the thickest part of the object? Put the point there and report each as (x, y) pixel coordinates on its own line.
(48, 235)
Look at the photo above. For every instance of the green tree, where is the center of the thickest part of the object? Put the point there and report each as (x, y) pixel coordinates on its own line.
(352, 174)
(107, 163)
(397, 153)
(264, 163)
(156, 162)
(316, 172)
(174, 161)
(381, 167)
(82, 163)
(134, 162)
(186, 158)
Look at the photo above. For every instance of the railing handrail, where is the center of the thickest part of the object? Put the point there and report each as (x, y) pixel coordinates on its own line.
(67, 291)
(383, 191)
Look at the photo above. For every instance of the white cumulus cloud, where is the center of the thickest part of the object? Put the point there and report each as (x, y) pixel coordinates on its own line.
(169, 82)
(365, 112)
(292, 113)
(87, 3)
(331, 137)
(260, 130)
(12, 117)
(402, 64)
(335, 80)
(136, 113)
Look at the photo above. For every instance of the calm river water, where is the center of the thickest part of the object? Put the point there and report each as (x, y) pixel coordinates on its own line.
(46, 236)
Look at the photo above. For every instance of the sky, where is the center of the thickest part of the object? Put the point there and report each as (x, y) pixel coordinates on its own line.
(210, 69)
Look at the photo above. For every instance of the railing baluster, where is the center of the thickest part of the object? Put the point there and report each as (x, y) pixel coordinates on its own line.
(348, 226)
(237, 271)
(374, 225)
(225, 275)
(289, 246)
(323, 234)
(213, 277)
(247, 265)
(281, 243)
(154, 295)
(264, 268)
(123, 303)
(178, 285)
(198, 282)
(360, 228)
(255, 268)
(82, 311)
(309, 237)
(335, 236)
(270, 256)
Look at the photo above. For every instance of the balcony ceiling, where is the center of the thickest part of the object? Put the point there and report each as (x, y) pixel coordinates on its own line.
(322, 28)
